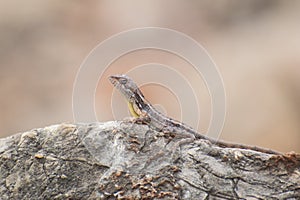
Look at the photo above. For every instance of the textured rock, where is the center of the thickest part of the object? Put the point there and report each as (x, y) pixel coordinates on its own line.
(130, 161)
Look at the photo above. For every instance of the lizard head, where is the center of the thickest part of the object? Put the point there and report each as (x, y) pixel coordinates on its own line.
(126, 86)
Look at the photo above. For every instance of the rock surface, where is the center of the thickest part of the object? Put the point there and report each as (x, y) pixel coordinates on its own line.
(121, 160)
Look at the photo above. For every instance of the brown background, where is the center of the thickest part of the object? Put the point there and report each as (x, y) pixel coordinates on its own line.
(255, 44)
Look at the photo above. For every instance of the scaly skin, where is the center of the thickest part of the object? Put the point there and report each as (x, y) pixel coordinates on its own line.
(140, 107)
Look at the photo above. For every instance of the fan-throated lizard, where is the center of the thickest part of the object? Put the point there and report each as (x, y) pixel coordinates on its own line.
(140, 107)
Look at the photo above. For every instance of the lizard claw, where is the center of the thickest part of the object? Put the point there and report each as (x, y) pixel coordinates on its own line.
(139, 120)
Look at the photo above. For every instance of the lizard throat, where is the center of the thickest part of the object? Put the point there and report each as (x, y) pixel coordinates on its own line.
(134, 111)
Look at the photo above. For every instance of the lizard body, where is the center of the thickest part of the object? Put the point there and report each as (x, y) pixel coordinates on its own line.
(140, 107)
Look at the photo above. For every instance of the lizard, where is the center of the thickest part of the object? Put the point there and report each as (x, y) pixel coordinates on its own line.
(141, 108)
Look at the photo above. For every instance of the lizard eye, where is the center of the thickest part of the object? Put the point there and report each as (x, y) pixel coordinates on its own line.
(123, 81)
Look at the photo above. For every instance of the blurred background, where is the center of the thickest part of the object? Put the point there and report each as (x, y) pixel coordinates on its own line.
(255, 44)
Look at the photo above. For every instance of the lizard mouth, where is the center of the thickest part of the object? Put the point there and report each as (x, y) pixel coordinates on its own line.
(113, 80)
(118, 80)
